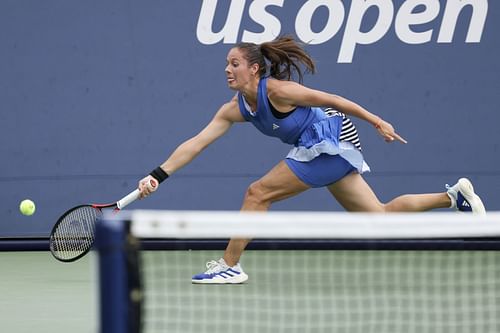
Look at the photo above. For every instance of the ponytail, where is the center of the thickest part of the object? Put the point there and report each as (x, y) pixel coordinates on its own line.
(284, 56)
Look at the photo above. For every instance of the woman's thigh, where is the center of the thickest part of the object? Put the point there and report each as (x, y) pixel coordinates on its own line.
(355, 195)
(278, 184)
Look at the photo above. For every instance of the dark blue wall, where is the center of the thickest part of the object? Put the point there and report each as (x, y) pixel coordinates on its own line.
(95, 94)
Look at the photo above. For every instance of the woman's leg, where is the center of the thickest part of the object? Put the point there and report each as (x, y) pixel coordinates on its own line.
(355, 195)
(278, 184)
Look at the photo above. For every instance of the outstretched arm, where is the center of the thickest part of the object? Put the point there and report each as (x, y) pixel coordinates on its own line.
(292, 93)
(189, 149)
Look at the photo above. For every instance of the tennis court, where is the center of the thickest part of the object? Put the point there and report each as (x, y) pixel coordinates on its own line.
(308, 284)
(39, 294)
(62, 298)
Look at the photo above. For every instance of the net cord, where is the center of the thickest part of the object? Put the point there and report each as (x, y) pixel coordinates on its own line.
(320, 225)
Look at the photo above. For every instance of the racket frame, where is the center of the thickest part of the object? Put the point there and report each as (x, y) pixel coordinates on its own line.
(120, 204)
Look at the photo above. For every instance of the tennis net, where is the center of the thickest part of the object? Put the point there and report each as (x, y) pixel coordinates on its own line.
(308, 272)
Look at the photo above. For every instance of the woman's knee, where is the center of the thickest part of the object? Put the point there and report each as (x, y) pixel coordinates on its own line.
(380, 207)
(257, 194)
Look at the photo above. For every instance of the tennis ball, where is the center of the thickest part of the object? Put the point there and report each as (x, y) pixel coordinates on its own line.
(27, 207)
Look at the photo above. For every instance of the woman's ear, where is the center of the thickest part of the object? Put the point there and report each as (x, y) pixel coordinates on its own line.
(254, 69)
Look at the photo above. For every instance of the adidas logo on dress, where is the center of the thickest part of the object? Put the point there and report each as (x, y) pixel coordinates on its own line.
(275, 127)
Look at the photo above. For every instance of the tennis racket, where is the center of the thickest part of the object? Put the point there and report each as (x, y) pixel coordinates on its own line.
(73, 234)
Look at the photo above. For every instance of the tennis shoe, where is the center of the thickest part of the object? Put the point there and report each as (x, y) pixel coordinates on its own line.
(463, 197)
(218, 272)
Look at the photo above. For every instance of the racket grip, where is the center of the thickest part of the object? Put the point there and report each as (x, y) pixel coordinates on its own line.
(128, 199)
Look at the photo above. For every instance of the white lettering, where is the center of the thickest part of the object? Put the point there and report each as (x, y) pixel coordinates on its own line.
(304, 18)
(405, 18)
(353, 34)
(229, 33)
(272, 26)
(476, 26)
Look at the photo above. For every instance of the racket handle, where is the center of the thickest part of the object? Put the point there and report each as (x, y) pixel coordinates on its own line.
(128, 199)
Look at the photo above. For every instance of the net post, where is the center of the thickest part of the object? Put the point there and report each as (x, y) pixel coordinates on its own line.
(119, 290)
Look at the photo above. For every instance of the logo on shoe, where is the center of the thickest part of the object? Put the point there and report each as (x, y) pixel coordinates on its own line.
(465, 204)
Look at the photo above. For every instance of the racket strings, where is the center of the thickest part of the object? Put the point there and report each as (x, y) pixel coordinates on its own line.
(75, 233)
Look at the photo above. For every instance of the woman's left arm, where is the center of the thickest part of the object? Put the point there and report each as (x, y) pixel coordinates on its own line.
(295, 94)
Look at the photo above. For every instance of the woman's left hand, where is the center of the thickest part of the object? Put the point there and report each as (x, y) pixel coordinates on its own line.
(388, 133)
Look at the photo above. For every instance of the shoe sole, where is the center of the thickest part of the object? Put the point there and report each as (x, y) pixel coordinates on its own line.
(467, 191)
(238, 279)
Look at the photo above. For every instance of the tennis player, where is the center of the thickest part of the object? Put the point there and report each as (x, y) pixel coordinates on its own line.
(326, 149)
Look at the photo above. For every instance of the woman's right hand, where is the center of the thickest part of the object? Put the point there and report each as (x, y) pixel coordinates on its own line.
(147, 185)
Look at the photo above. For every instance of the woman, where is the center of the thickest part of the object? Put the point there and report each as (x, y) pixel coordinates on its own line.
(326, 150)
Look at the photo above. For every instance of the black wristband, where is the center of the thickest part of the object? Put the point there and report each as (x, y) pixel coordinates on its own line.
(159, 174)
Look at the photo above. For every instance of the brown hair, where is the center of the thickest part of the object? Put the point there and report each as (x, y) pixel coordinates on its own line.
(284, 55)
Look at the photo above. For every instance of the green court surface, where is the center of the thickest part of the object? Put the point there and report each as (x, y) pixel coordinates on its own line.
(288, 291)
(40, 294)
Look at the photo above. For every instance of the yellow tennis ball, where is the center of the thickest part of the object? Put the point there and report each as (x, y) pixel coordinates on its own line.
(27, 207)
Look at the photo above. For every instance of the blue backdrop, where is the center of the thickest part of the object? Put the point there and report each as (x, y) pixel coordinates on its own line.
(95, 94)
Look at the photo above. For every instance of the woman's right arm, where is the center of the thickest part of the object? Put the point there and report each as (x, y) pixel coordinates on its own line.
(227, 115)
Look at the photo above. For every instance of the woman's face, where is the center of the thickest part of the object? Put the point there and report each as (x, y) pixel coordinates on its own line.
(238, 72)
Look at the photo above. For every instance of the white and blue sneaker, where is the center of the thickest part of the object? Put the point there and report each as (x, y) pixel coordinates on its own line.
(463, 197)
(218, 272)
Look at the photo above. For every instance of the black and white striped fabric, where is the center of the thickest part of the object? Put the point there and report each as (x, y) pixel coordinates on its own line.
(348, 132)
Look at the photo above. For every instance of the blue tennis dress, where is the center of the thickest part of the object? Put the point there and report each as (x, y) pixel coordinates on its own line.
(320, 155)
